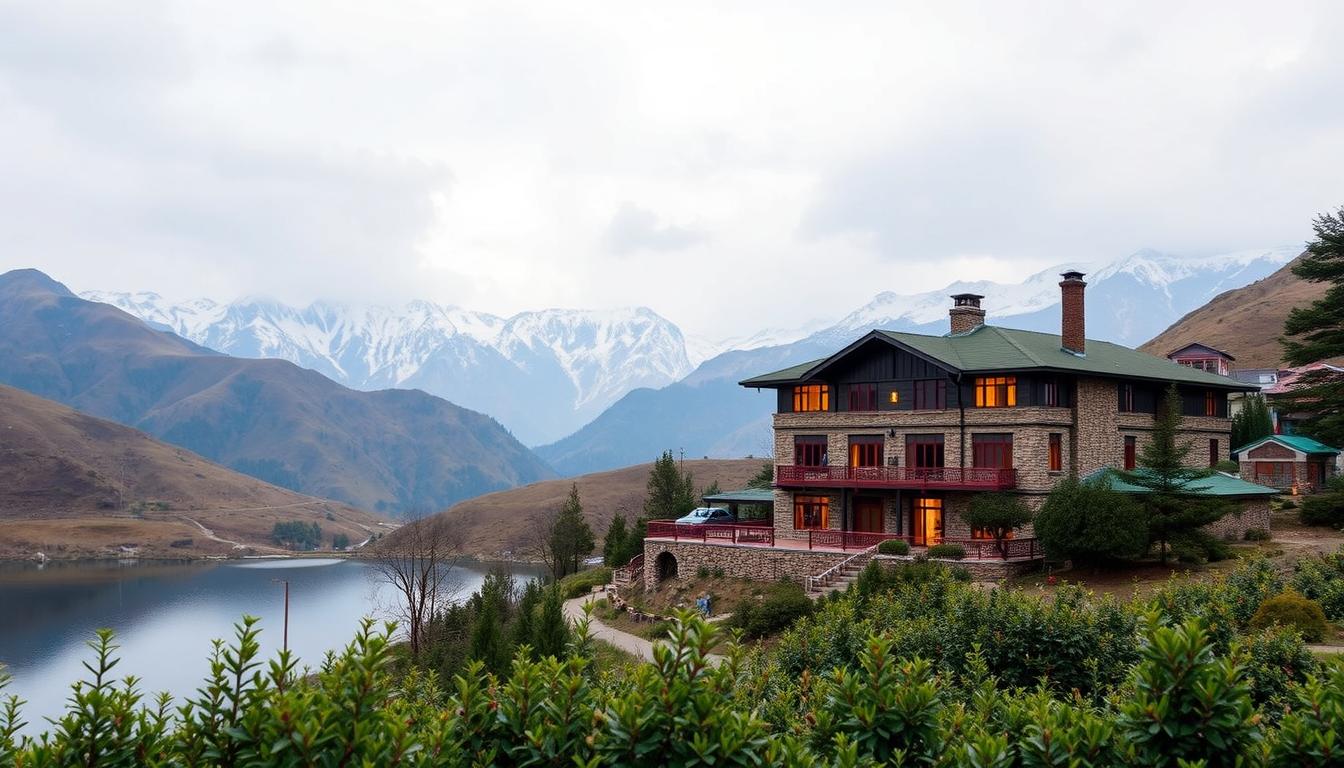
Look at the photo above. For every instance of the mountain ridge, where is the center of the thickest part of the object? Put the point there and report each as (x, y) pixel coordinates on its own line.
(400, 451)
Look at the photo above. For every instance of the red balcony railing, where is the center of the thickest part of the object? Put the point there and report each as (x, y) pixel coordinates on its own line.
(846, 540)
(930, 478)
(735, 533)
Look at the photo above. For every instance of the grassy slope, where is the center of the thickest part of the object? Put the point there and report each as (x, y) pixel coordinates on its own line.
(502, 521)
(1245, 322)
(75, 485)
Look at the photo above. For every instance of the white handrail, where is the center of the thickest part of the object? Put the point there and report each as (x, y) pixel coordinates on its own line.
(810, 582)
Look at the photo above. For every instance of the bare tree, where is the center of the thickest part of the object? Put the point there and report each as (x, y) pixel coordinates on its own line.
(418, 562)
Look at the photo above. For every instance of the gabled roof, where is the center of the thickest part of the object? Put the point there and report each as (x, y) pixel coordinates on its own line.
(1300, 443)
(1216, 484)
(989, 348)
(1205, 346)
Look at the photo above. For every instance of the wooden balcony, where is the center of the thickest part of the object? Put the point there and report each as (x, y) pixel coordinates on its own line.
(911, 478)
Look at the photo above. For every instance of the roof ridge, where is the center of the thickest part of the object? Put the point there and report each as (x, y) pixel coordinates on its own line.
(1017, 346)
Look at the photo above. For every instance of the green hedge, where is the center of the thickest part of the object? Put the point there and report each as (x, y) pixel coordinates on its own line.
(893, 547)
(1323, 509)
(947, 551)
(1295, 612)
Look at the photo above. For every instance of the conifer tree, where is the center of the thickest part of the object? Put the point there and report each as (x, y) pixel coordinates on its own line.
(616, 543)
(552, 632)
(671, 492)
(765, 478)
(525, 625)
(1174, 498)
(1252, 422)
(1316, 332)
(570, 539)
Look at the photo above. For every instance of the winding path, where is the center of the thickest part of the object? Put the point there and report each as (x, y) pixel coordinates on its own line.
(631, 644)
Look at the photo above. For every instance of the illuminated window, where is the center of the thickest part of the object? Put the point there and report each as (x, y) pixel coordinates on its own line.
(985, 533)
(894, 397)
(930, 395)
(865, 451)
(810, 450)
(928, 521)
(862, 397)
(996, 392)
(1210, 403)
(1131, 451)
(811, 397)
(810, 512)
(1056, 452)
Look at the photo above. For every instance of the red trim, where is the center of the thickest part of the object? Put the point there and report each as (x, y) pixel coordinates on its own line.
(982, 478)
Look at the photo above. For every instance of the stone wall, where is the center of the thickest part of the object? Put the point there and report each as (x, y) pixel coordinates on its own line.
(1096, 443)
(757, 563)
(980, 570)
(1233, 527)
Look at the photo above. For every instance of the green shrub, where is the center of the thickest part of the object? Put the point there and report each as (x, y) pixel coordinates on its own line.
(581, 583)
(1228, 466)
(1197, 546)
(1256, 534)
(947, 551)
(1090, 521)
(702, 571)
(1287, 504)
(1292, 610)
(1323, 509)
(1321, 578)
(782, 605)
(894, 547)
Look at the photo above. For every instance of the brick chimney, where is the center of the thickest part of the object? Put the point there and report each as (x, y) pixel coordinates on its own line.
(966, 313)
(1072, 329)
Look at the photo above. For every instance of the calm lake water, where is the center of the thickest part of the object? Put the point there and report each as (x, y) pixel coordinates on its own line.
(165, 616)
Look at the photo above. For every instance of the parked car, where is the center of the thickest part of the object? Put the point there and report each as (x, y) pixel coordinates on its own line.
(702, 515)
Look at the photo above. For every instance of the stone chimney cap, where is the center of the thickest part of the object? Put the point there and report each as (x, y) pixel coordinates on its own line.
(966, 299)
(1072, 275)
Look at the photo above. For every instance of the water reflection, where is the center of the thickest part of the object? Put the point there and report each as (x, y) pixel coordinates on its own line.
(166, 615)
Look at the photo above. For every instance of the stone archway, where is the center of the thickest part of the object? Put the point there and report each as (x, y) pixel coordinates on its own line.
(665, 566)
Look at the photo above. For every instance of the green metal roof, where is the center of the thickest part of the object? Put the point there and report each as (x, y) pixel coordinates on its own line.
(745, 496)
(1296, 442)
(990, 348)
(1216, 484)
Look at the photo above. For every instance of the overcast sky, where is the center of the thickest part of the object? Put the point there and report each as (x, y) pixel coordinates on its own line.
(731, 165)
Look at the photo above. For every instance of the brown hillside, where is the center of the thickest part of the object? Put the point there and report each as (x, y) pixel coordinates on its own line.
(502, 522)
(1245, 322)
(74, 485)
(392, 451)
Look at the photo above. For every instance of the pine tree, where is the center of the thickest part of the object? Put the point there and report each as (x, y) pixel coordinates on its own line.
(1319, 332)
(1174, 500)
(487, 634)
(570, 539)
(1252, 422)
(552, 632)
(525, 625)
(765, 478)
(615, 543)
(712, 489)
(671, 492)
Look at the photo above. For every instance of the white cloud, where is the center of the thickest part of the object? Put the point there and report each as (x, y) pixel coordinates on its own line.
(732, 166)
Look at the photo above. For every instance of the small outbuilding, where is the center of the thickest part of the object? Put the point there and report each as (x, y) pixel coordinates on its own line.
(1290, 463)
(1251, 500)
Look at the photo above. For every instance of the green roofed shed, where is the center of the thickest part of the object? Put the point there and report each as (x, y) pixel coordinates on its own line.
(1300, 443)
(1216, 484)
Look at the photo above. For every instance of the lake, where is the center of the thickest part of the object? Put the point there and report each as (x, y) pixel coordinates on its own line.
(165, 616)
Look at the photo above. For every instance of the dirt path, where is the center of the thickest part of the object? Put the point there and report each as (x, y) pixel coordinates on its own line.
(631, 644)
(209, 534)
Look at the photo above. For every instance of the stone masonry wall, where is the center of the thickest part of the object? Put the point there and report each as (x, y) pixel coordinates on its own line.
(757, 563)
(1233, 527)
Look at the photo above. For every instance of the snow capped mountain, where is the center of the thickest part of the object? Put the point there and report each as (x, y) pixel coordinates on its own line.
(543, 374)
(1130, 300)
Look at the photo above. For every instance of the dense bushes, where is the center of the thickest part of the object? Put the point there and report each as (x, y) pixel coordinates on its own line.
(1321, 578)
(1323, 509)
(1090, 521)
(893, 547)
(1294, 611)
(1257, 534)
(927, 671)
(947, 551)
(581, 583)
(296, 534)
(782, 605)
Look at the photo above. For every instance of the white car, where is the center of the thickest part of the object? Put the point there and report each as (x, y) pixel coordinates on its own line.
(702, 515)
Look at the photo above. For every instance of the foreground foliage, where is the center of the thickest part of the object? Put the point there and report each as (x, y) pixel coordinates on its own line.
(921, 669)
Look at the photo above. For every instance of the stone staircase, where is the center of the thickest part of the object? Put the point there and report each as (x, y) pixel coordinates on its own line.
(838, 577)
